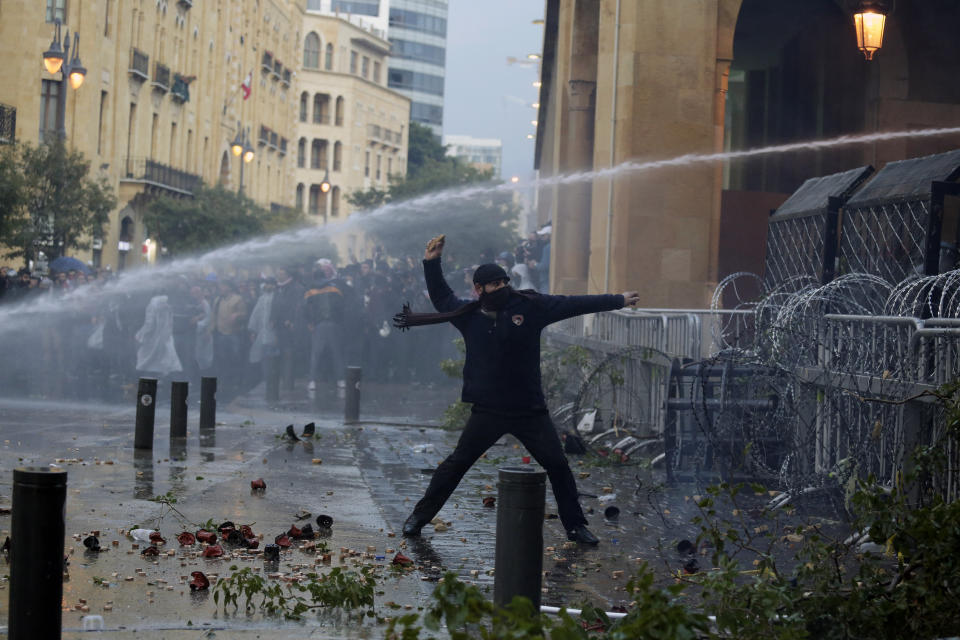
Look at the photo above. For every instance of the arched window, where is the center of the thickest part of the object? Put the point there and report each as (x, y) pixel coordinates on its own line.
(300, 198)
(302, 153)
(335, 202)
(318, 154)
(337, 155)
(328, 62)
(339, 109)
(321, 108)
(311, 51)
(304, 97)
(314, 207)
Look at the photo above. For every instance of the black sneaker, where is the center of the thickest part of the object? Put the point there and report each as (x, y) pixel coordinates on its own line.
(581, 534)
(290, 433)
(412, 526)
(308, 430)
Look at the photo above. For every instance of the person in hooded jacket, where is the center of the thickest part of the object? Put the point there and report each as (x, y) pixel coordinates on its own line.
(501, 379)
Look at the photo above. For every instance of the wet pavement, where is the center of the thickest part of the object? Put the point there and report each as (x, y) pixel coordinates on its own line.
(366, 476)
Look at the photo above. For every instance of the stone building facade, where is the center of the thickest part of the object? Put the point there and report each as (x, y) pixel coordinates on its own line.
(162, 98)
(657, 79)
(351, 129)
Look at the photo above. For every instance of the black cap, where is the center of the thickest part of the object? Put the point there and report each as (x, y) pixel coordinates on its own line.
(489, 273)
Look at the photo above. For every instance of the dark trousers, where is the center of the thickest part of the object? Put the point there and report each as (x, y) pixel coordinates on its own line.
(537, 434)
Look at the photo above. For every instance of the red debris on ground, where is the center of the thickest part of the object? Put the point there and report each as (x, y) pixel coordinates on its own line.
(199, 582)
(258, 484)
(246, 531)
(213, 551)
(206, 536)
(295, 532)
(489, 501)
(402, 560)
(186, 539)
(155, 537)
(282, 540)
(251, 543)
(150, 551)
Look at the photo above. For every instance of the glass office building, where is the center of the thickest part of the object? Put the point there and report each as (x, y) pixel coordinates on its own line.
(418, 39)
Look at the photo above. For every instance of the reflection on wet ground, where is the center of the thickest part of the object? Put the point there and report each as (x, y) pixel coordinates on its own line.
(367, 476)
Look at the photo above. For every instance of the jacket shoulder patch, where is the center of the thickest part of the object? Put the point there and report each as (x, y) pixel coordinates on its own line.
(517, 319)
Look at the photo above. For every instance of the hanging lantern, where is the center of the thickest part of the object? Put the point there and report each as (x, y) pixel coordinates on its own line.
(870, 20)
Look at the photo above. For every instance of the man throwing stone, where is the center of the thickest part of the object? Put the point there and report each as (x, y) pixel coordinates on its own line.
(501, 379)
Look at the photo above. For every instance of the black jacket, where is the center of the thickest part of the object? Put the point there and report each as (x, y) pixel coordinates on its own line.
(502, 369)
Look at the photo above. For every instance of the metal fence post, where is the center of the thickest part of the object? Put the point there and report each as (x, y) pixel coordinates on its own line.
(37, 532)
(518, 568)
(351, 405)
(208, 403)
(146, 408)
(178, 409)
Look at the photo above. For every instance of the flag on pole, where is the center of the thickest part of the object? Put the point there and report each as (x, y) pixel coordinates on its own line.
(247, 85)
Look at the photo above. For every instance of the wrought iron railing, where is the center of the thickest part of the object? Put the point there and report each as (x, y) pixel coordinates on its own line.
(139, 64)
(161, 77)
(155, 174)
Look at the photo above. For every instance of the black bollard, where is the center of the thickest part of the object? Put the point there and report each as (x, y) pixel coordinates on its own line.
(208, 403)
(351, 405)
(178, 409)
(519, 553)
(146, 407)
(37, 531)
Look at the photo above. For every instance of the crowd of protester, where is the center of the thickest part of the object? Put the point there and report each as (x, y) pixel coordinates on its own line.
(284, 324)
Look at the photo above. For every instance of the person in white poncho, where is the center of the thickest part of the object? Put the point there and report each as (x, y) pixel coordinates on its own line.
(156, 352)
(265, 347)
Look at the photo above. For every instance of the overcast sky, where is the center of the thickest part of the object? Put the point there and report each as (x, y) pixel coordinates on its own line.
(485, 95)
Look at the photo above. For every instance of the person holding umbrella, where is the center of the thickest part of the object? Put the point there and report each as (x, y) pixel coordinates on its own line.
(501, 379)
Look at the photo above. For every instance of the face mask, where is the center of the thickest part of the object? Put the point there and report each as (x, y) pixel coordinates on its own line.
(495, 300)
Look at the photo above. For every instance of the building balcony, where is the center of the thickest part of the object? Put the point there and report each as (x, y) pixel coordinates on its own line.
(283, 146)
(264, 138)
(186, 4)
(8, 124)
(139, 64)
(159, 178)
(266, 62)
(286, 77)
(277, 70)
(161, 77)
(274, 140)
(181, 88)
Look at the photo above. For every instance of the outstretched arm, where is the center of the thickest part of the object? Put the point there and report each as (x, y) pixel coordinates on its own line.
(563, 307)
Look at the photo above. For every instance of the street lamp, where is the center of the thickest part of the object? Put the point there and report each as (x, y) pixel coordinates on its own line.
(57, 58)
(869, 19)
(240, 147)
(324, 189)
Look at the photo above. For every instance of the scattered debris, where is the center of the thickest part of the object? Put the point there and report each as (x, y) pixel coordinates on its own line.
(199, 582)
(92, 543)
(150, 551)
(324, 521)
(206, 536)
(402, 560)
(213, 551)
(271, 552)
(489, 501)
(258, 484)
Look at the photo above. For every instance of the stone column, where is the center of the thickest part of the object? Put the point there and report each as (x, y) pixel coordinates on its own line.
(570, 259)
